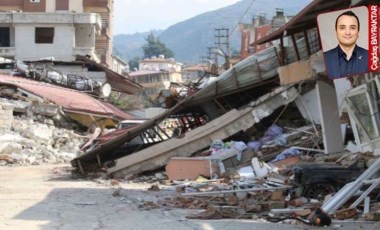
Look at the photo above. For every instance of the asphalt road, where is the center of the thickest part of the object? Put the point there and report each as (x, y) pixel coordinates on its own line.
(46, 197)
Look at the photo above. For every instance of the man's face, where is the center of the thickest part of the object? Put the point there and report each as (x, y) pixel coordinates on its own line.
(347, 30)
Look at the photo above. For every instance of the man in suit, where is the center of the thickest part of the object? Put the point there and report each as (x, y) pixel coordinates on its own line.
(347, 58)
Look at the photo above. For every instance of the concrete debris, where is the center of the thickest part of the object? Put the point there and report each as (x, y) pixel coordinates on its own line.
(276, 153)
(246, 197)
(30, 142)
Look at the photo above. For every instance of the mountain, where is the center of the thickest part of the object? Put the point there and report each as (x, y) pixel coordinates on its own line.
(189, 39)
(128, 46)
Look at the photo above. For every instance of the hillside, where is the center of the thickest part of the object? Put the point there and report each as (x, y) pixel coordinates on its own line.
(189, 39)
(128, 46)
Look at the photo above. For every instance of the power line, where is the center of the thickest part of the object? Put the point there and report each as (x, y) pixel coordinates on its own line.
(241, 18)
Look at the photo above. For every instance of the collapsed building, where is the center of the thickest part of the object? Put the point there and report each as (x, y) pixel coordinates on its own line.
(282, 86)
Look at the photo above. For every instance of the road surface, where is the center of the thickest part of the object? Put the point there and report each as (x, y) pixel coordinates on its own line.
(47, 197)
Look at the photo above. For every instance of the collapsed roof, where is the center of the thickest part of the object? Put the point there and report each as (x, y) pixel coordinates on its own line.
(71, 101)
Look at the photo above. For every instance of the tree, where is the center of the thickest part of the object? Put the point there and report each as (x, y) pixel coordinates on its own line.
(134, 63)
(155, 47)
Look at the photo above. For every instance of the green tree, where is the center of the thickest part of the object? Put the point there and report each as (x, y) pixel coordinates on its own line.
(134, 63)
(155, 47)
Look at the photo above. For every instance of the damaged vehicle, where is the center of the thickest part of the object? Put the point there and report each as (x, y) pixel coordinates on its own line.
(316, 180)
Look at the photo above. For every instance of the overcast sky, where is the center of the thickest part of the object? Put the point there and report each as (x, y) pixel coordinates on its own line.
(131, 16)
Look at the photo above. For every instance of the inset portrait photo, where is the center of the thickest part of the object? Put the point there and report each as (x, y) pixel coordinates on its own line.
(344, 38)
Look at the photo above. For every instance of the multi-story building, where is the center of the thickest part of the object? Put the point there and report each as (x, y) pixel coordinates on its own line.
(260, 27)
(152, 81)
(161, 63)
(119, 65)
(59, 29)
(103, 43)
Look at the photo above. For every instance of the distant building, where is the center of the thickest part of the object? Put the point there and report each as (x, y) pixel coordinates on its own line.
(259, 28)
(152, 81)
(161, 63)
(119, 65)
(193, 73)
(59, 29)
(280, 19)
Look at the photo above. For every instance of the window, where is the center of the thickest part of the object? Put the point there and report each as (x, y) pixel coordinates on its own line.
(363, 105)
(62, 4)
(44, 35)
(4, 37)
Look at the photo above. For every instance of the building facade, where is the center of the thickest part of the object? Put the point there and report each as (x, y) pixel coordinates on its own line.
(152, 81)
(161, 63)
(119, 66)
(103, 43)
(259, 28)
(57, 29)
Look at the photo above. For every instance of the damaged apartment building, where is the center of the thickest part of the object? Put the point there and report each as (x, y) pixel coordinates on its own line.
(32, 30)
(284, 86)
(56, 60)
(60, 31)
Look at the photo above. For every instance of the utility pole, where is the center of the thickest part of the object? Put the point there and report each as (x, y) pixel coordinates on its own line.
(223, 45)
(211, 55)
(203, 60)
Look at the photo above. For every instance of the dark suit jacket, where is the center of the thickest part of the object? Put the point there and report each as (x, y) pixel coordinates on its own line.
(360, 62)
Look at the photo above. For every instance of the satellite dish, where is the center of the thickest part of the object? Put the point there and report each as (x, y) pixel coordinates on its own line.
(106, 90)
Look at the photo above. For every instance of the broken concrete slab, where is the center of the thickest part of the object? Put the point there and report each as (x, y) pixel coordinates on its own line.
(307, 104)
(158, 155)
(197, 139)
(329, 114)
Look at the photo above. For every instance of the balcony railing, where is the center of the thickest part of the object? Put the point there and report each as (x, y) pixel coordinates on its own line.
(56, 18)
(7, 51)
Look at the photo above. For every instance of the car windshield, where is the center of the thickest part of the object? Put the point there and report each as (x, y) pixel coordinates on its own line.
(129, 123)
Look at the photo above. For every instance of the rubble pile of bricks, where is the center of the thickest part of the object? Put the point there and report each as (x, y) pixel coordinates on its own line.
(27, 141)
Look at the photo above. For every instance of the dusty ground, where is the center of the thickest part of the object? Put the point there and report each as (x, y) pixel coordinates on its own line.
(47, 197)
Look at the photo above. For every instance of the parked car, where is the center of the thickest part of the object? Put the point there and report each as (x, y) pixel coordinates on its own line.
(129, 123)
(316, 180)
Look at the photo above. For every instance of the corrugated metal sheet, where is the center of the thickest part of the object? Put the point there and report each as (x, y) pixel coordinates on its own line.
(247, 73)
(70, 100)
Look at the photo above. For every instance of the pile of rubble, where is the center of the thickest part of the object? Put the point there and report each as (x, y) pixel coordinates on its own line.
(27, 141)
(232, 180)
(238, 195)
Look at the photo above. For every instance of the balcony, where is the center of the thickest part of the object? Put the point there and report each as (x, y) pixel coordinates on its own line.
(7, 52)
(51, 18)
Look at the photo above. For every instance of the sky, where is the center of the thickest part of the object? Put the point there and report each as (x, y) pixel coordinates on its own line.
(131, 16)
